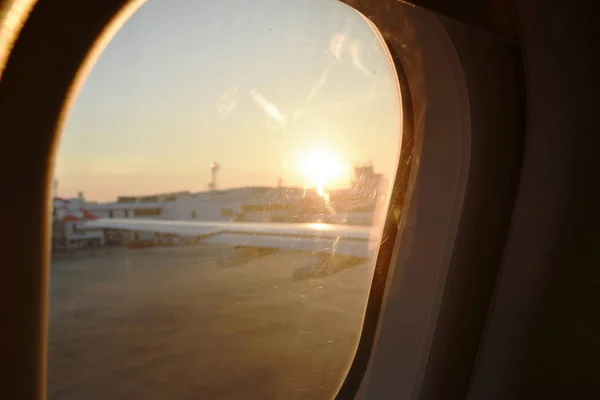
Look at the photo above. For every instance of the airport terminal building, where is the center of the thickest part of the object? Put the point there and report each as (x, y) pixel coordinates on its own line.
(254, 204)
(354, 205)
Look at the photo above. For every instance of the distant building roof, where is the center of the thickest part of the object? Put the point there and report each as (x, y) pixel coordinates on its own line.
(74, 215)
(123, 206)
(152, 198)
(69, 218)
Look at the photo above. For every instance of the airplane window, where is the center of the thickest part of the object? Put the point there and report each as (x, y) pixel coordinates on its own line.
(255, 143)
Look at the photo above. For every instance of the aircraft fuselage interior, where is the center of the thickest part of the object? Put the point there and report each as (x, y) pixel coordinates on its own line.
(484, 248)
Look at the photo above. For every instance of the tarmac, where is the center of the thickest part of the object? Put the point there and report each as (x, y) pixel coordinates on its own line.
(174, 323)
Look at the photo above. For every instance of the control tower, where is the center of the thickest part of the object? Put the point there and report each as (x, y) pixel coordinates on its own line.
(214, 170)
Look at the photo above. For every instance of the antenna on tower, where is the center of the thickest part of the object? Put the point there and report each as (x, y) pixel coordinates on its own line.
(214, 169)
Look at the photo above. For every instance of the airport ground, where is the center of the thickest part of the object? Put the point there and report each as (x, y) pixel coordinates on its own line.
(171, 323)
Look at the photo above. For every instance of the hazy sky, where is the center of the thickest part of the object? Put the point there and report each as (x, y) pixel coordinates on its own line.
(254, 85)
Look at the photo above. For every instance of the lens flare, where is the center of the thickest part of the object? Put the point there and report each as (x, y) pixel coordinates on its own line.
(320, 168)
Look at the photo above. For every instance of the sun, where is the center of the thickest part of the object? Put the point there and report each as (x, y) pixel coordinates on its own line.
(321, 168)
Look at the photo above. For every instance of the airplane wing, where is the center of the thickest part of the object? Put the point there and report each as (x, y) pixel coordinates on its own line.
(353, 241)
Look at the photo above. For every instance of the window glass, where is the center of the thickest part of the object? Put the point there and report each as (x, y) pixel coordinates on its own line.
(240, 134)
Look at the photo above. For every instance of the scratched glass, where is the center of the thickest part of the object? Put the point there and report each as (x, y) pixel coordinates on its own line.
(218, 198)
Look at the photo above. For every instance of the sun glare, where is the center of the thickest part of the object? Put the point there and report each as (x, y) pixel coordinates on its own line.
(320, 169)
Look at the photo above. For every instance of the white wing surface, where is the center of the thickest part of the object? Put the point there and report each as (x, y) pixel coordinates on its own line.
(313, 237)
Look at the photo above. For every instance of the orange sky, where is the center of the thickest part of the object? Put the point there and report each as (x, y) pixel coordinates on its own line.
(284, 81)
